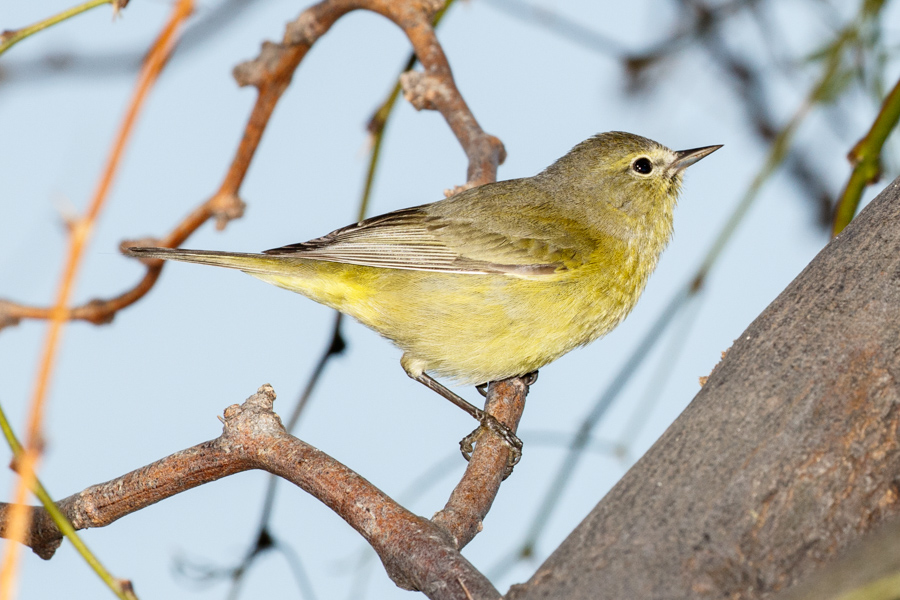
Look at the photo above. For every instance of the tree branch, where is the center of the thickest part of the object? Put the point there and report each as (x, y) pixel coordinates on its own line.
(271, 73)
(788, 455)
(417, 553)
(472, 499)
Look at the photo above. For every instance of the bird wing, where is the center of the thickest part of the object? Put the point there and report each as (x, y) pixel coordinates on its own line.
(464, 234)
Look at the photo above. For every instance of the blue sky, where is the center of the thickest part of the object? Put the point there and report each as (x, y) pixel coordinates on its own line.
(154, 381)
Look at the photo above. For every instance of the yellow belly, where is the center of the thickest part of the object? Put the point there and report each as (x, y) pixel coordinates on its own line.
(475, 328)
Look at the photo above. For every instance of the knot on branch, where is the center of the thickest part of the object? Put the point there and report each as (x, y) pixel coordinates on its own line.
(261, 69)
(97, 313)
(305, 29)
(255, 416)
(864, 160)
(497, 148)
(423, 90)
(6, 317)
(485, 155)
(48, 549)
(226, 207)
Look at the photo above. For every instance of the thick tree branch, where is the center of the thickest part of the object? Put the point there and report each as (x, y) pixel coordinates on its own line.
(867, 571)
(788, 455)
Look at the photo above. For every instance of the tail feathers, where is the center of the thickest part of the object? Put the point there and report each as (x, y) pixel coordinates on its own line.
(249, 263)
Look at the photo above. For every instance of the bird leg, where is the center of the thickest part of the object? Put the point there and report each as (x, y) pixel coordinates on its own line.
(488, 422)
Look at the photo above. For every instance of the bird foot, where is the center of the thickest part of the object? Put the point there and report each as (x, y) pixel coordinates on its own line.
(490, 424)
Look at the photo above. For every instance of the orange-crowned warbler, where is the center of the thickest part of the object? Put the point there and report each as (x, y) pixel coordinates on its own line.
(499, 280)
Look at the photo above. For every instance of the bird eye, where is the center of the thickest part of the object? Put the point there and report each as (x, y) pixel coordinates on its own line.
(642, 165)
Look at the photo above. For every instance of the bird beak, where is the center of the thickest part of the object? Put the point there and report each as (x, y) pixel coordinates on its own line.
(686, 158)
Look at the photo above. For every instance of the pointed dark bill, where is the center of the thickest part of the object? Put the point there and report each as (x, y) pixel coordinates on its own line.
(688, 157)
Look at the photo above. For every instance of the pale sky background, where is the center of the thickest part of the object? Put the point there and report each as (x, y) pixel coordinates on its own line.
(154, 381)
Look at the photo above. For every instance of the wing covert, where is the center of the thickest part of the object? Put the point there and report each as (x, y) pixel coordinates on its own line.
(458, 235)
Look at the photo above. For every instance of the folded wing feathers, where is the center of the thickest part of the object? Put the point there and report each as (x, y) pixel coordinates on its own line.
(405, 239)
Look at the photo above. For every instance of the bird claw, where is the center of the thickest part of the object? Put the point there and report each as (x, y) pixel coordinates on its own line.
(490, 424)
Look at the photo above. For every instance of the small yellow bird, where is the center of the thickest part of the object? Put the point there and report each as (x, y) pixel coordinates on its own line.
(498, 280)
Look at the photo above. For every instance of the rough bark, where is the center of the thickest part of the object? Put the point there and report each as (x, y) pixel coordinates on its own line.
(787, 456)
(869, 571)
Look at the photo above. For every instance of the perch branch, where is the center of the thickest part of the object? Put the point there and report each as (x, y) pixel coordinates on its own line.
(417, 553)
(472, 499)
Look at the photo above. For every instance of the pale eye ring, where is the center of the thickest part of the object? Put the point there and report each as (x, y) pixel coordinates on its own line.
(642, 166)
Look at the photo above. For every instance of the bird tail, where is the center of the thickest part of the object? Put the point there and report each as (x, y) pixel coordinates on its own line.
(248, 263)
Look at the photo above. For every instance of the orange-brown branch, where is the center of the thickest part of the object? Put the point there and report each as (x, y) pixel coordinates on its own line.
(417, 553)
(79, 235)
(271, 73)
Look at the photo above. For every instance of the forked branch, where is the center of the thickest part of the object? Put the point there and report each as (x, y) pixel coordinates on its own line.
(271, 73)
(417, 553)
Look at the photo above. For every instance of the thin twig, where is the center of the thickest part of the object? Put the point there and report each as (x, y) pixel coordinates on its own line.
(271, 73)
(121, 588)
(11, 37)
(866, 160)
(79, 234)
